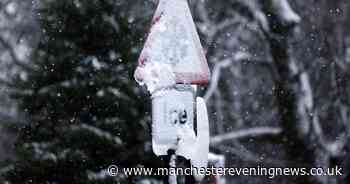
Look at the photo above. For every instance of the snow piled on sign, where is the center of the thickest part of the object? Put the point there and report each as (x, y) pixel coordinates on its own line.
(170, 41)
(172, 52)
(155, 76)
(167, 131)
(186, 142)
(200, 159)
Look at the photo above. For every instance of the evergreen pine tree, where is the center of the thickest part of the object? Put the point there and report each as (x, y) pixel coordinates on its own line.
(85, 112)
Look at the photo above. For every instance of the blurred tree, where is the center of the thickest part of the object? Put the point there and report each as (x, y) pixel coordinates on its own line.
(84, 110)
(273, 64)
(17, 36)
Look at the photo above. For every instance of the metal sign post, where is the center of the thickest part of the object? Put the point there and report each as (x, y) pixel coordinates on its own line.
(171, 65)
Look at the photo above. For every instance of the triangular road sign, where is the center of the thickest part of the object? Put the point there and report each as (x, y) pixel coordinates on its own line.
(174, 40)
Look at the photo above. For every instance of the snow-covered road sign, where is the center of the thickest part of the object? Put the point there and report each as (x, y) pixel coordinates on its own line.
(174, 40)
(173, 126)
(173, 121)
(171, 64)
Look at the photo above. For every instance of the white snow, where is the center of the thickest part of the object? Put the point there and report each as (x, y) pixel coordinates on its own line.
(96, 63)
(167, 104)
(172, 37)
(98, 132)
(200, 157)
(187, 142)
(40, 151)
(22, 51)
(11, 8)
(100, 93)
(217, 160)
(167, 131)
(155, 76)
(285, 12)
(173, 54)
(172, 48)
(307, 90)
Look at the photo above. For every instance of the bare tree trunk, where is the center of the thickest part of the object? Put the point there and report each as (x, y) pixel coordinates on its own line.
(292, 87)
(306, 144)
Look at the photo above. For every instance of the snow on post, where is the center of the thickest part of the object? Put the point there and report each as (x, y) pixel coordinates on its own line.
(173, 126)
(171, 63)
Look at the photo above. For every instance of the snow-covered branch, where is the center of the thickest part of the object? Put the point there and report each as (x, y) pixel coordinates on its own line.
(334, 148)
(13, 55)
(246, 133)
(217, 72)
(215, 77)
(98, 132)
(283, 10)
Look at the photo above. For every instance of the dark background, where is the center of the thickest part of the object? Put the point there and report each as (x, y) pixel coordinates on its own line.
(70, 107)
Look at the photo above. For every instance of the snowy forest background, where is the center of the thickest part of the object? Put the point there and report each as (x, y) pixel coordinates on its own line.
(69, 106)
